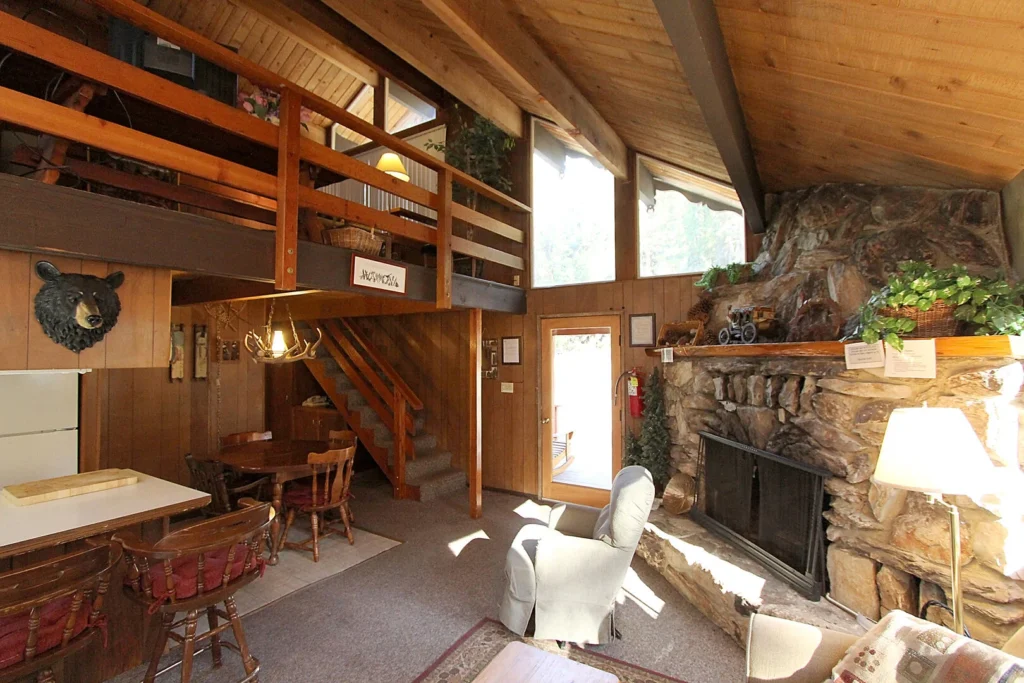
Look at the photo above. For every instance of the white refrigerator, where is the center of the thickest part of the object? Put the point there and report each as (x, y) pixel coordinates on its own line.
(38, 426)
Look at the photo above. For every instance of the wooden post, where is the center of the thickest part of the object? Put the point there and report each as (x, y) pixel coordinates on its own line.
(380, 103)
(54, 150)
(400, 444)
(444, 239)
(627, 222)
(475, 413)
(287, 244)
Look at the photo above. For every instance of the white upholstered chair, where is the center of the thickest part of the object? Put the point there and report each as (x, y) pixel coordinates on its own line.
(566, 575)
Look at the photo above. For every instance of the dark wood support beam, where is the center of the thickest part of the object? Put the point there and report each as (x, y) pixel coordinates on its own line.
(627, 222)
(62, 221)
(693, 28)
(475, 454)
(380, 103)
(209, 289)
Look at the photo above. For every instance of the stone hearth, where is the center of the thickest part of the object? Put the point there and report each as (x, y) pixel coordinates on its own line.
(888, 549)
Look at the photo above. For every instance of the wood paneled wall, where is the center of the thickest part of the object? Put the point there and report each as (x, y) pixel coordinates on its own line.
(140, 418)
(431, 352)
(140, 339)
(511, 458)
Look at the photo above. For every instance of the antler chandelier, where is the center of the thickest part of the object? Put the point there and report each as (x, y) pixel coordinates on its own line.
(271, 348)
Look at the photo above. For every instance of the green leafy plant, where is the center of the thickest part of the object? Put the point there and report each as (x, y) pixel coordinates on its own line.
(734, 273)
(985, 305)
(480, 149)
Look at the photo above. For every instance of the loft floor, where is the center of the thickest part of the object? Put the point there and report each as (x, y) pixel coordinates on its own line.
(387, 619)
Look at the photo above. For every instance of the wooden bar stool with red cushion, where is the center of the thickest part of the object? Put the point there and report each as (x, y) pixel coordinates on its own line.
(193, 570)
(52, 609)
(343, 438)
(244, 437)
(332, 476)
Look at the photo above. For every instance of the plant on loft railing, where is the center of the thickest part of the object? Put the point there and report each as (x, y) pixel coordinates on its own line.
(480, 149)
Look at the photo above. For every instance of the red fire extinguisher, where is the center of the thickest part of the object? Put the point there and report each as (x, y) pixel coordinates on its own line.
(635, 391)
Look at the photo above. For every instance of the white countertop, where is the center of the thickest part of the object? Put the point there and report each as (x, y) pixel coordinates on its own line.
(61, 521)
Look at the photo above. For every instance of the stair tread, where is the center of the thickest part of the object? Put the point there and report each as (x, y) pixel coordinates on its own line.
(440, 475)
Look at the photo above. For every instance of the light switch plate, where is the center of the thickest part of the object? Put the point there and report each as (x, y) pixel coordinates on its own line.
(507, 387)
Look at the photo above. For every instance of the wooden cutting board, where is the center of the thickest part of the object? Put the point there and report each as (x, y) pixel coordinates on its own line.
(33, 492)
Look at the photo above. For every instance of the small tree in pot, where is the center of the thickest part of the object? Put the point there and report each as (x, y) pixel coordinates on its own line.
(480, 149)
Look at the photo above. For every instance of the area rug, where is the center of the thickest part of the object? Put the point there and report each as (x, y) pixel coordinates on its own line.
(464, 660)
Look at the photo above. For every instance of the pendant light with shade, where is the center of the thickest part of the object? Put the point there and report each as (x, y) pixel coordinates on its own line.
(391, 164)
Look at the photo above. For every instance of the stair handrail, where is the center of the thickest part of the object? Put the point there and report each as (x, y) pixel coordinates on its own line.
(400, 385)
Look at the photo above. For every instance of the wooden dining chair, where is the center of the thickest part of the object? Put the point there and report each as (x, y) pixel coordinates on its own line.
(244, 437)
(210, 476)
(51, 610)
(343, 438)
(332, 476)
(193, 570)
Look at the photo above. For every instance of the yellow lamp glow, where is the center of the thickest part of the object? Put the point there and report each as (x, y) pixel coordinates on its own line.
(277, 345)
(391, 164)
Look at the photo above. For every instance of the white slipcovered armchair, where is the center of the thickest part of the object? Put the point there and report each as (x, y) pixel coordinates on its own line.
(567, 574)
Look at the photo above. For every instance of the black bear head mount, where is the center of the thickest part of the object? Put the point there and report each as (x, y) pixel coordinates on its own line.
(76, 311)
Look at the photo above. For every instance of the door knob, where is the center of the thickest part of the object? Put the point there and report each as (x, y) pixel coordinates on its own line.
(545, 420)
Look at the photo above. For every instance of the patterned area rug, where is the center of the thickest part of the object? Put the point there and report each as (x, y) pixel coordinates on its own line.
(464, 660)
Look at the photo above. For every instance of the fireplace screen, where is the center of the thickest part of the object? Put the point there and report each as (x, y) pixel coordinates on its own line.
(769, 505)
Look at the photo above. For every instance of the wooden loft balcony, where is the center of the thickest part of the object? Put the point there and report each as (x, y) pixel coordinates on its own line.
(236, 160)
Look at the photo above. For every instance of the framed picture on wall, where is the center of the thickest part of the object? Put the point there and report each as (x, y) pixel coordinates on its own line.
(511, 350)
(641, 329)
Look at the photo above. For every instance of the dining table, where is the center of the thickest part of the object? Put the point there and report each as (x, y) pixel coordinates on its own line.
(282, 460)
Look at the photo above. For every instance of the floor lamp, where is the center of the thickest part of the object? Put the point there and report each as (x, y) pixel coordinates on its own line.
(935, 451)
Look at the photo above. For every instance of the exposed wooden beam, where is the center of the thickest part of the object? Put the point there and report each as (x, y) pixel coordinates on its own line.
(208, 289)
(380, 104)
(409, 132)
(313, 38)
(386, 22)
(693, 28)
(444, 239)
(61, 221)
(474, 466)
(287, 237)
(495, 34)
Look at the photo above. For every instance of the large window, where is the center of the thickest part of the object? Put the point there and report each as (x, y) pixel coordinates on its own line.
(686, 233)
(573, 217)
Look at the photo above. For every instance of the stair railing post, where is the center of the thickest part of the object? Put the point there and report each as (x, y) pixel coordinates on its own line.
(287, 238)
(400, 443)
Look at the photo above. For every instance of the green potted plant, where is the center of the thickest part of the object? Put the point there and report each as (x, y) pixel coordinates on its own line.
(920, 300)
(480, 149)
(735, 273)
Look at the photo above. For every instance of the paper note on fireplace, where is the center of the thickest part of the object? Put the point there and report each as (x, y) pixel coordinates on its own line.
(862, 356)
(917, 360)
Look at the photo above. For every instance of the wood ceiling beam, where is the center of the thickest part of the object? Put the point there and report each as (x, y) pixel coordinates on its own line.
(312, 37)
(693, 28)
(491, 30)
(386, 23)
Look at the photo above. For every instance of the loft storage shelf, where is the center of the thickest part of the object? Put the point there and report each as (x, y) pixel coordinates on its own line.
(945, 347)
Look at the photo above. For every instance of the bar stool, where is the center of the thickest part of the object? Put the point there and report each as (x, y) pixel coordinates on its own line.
(193, 570)
(51, 610)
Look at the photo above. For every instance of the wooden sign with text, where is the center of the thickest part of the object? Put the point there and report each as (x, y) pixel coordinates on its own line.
(382, 276)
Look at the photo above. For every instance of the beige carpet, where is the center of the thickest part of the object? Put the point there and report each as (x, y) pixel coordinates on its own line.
(464, 660)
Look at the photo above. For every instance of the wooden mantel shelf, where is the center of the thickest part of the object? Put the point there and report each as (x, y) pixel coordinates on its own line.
(945, 347)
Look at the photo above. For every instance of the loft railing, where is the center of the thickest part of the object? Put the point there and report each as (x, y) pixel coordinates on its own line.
(282, 192)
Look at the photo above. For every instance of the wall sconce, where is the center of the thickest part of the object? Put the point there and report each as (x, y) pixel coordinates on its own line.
(490, 359)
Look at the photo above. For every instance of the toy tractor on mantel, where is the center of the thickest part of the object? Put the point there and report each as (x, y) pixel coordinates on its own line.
(747, 325)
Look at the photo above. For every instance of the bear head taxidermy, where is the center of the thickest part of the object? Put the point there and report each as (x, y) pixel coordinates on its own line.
(76, 311)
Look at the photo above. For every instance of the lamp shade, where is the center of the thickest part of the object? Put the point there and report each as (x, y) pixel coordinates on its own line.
(392, 164)
(932, 450)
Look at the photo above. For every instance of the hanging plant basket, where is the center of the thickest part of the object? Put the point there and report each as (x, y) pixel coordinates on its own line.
(937, 321)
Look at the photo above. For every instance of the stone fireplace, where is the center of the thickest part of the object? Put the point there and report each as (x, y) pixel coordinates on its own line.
(887, 549)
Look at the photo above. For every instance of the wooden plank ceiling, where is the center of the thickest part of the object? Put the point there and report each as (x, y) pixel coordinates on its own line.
(927, 92)
(237, 27)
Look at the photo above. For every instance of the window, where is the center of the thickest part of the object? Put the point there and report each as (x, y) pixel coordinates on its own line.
(573, 216)
(681, 232)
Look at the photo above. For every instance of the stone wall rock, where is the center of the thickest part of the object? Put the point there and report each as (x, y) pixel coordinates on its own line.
(897, 590)
(854, 581)
(678, 496)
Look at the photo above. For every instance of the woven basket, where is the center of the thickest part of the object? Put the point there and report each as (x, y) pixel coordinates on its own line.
(936, 322)
(356, 239)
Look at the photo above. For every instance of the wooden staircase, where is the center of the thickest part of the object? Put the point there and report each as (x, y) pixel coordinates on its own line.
(383, 410)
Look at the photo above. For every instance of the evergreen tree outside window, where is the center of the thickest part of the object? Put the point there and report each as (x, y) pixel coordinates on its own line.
(679, 236)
